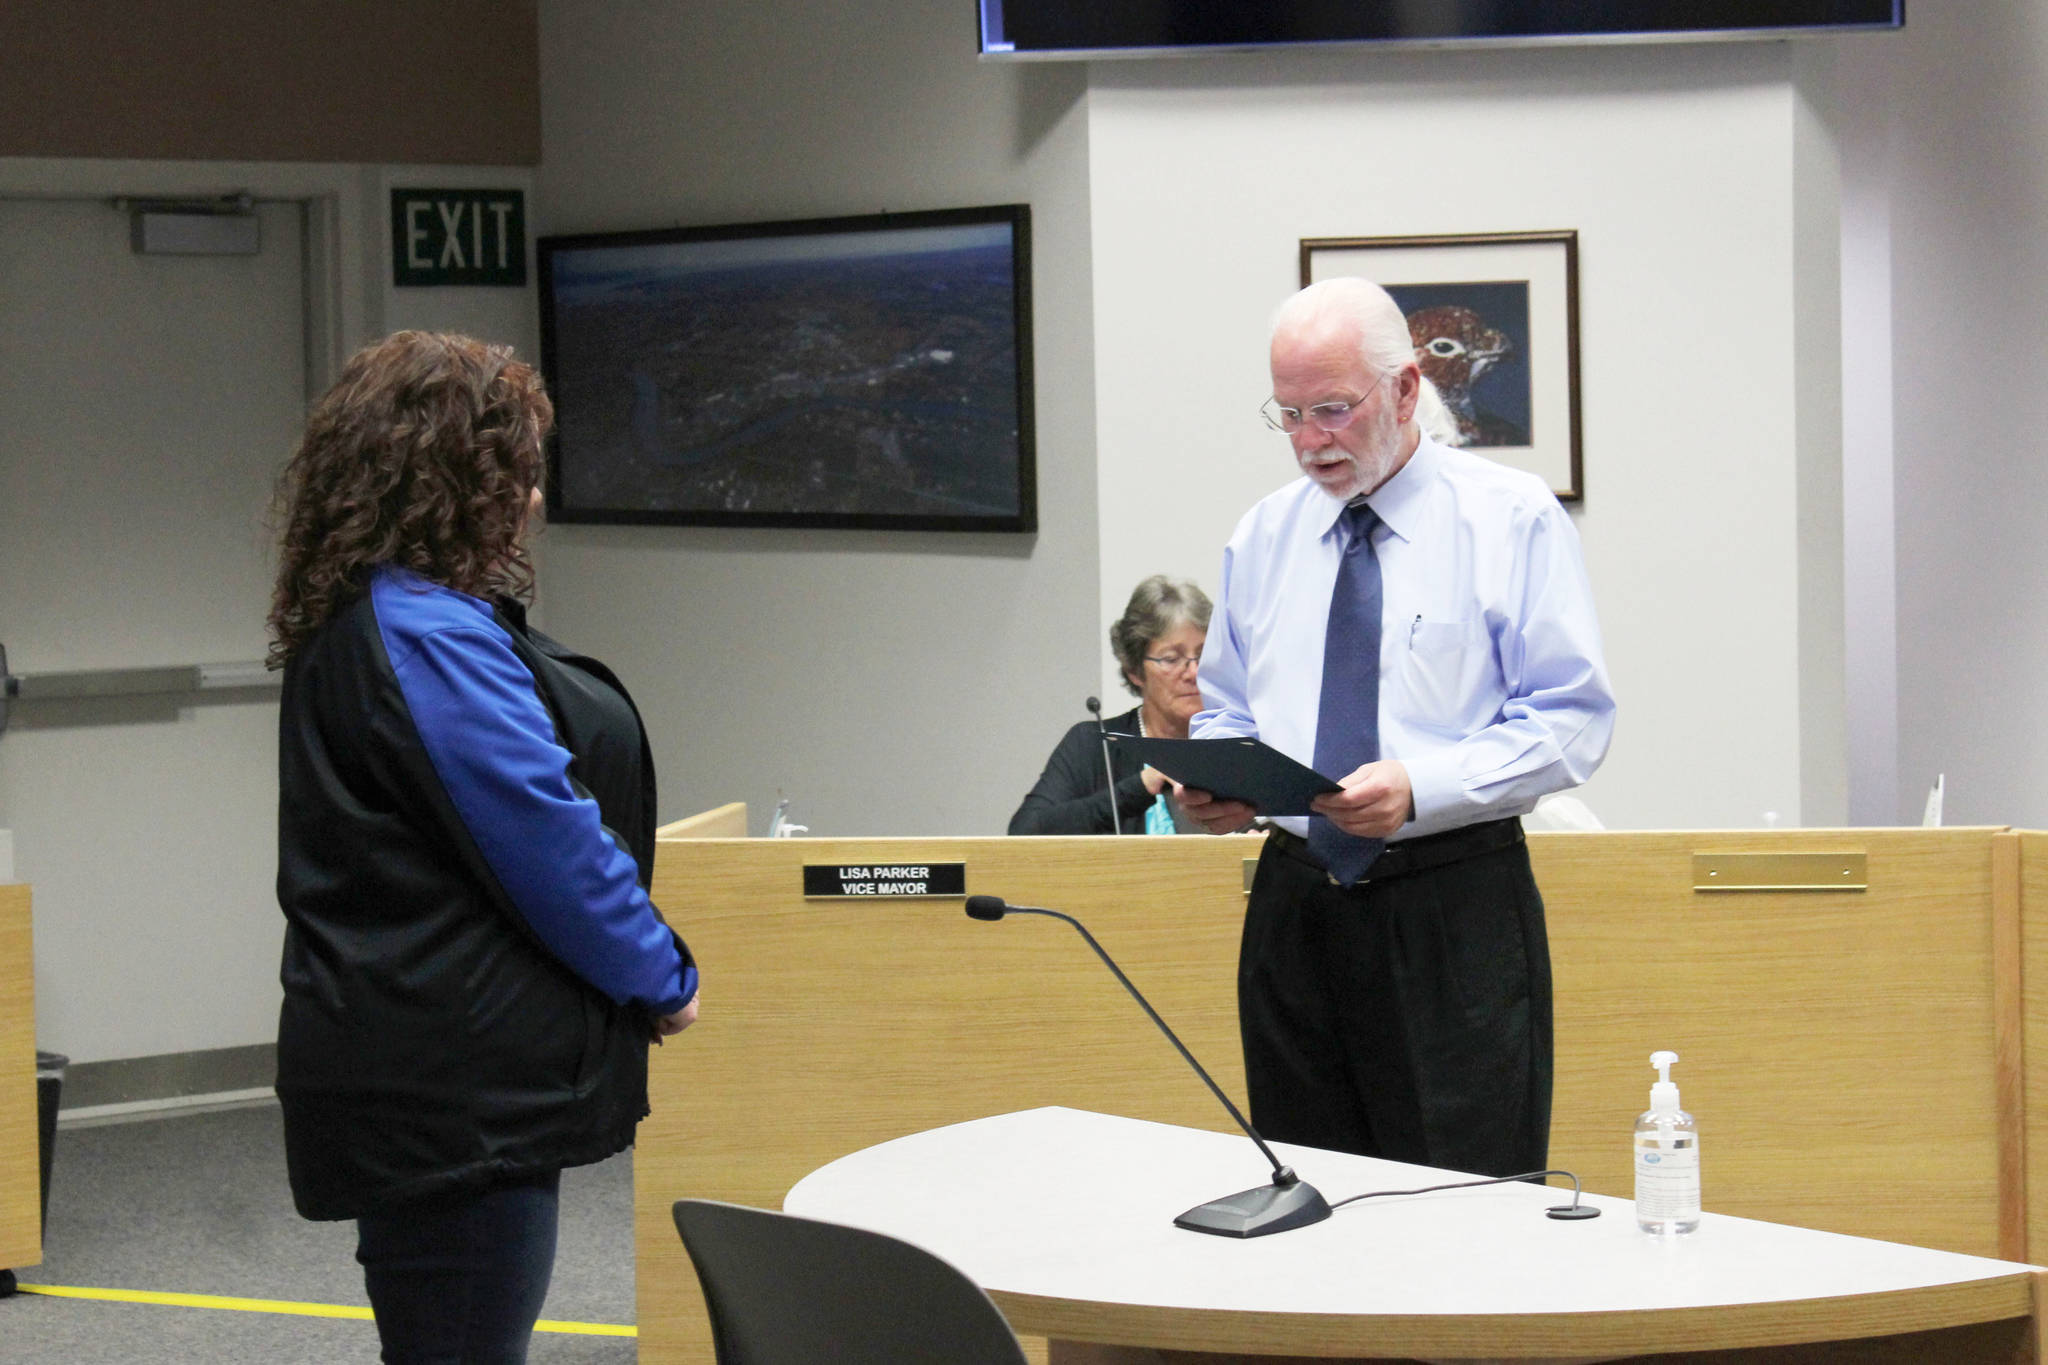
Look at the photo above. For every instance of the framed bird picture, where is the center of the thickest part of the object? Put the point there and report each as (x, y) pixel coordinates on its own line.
(1495, 322)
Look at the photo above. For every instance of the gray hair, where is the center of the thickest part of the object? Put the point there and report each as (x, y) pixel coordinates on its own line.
(1434, 418)
(1158, 605)
(1383, 340)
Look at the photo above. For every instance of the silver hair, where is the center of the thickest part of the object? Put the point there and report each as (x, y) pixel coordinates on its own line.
(1158, 606)
(1383, 340)
(1434, 418)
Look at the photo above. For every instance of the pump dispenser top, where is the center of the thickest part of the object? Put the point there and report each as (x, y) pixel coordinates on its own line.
(1664, 1094)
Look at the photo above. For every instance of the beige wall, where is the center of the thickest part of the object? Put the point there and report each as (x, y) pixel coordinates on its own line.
(1680, 168)
(913, 684)
(1960, 109)
(886, 683)
(132, 533)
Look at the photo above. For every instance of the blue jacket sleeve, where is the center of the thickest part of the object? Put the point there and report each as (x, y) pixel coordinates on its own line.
(492, 742)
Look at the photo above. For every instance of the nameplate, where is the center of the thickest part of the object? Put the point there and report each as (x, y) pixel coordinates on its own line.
(895, 880)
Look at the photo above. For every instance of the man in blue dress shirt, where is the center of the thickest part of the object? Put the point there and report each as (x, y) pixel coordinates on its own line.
(1414, 621)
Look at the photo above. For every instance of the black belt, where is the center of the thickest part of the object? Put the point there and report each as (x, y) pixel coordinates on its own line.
(1410, 856)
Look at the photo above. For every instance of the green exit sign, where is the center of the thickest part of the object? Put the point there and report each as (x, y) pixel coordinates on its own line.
(458, 237)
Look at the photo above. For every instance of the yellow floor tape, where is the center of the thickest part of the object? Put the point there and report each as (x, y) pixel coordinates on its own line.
(308, 1310)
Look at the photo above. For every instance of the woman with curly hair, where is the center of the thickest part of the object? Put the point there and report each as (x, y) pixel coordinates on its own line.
(472, 966)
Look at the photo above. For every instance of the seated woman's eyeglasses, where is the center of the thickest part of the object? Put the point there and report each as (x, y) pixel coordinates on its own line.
(1173, 663)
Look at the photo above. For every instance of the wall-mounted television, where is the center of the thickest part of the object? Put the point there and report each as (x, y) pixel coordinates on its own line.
(1086, 29)
(865, 373)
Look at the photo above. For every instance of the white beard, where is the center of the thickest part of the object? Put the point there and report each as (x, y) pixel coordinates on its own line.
(1375, 465)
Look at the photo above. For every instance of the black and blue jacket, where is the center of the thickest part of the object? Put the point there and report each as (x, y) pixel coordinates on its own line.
(472, 965)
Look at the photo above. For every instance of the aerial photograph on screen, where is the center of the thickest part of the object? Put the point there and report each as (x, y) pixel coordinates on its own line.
(864, 373)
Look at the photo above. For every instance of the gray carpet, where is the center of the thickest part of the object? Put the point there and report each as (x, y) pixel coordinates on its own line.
(199, 1205)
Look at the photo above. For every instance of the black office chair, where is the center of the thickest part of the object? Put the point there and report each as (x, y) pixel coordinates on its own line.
(784, 1290)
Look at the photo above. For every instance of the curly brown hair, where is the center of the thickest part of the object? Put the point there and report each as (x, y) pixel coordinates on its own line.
(424, 455)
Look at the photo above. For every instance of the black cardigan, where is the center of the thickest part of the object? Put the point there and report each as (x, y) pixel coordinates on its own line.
(428, 1041)
(1069, 797)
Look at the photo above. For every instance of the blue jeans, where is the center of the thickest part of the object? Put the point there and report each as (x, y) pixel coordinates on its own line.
(459, 1279)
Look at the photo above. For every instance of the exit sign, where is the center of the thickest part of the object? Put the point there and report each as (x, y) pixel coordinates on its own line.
(458, 237)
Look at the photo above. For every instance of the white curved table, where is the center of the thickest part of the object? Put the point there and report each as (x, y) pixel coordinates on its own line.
(1065, 1217)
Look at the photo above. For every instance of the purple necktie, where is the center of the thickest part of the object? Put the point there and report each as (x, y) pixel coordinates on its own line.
(1348, 721)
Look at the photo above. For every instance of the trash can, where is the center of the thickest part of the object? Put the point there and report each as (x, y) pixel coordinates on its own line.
(49, 1087)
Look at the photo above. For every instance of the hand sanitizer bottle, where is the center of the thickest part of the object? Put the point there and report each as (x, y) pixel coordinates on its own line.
(1667, 1159)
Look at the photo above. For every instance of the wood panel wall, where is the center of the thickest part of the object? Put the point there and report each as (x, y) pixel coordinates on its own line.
(1842, 1049)
(728, 821)
(1838, 1048)
(369, 81)
(21, 1237)
(831, 1025)
(2033, 912)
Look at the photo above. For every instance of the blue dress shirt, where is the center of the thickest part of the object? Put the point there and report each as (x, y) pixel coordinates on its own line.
(1492, 689)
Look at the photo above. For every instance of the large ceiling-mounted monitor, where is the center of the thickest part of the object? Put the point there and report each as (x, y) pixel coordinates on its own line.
(1083, 29)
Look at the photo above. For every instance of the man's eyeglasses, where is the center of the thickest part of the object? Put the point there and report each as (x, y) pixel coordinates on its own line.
(1173, 663)
(1323, 416)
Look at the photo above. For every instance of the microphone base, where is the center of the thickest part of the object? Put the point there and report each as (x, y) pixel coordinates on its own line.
(1256, 1213)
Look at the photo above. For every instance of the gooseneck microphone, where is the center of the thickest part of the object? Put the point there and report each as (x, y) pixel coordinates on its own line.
(1289, 1202)
(1116, 819)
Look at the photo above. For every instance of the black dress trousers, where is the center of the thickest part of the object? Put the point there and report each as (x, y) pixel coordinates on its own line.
(1406, 1017)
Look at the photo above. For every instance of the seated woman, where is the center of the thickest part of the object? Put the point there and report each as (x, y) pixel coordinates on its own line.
(1157, 643)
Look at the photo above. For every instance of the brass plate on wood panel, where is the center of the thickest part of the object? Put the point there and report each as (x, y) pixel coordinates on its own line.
(1779, 872)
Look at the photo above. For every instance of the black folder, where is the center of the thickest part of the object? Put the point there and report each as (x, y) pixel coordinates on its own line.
(1246, 770)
